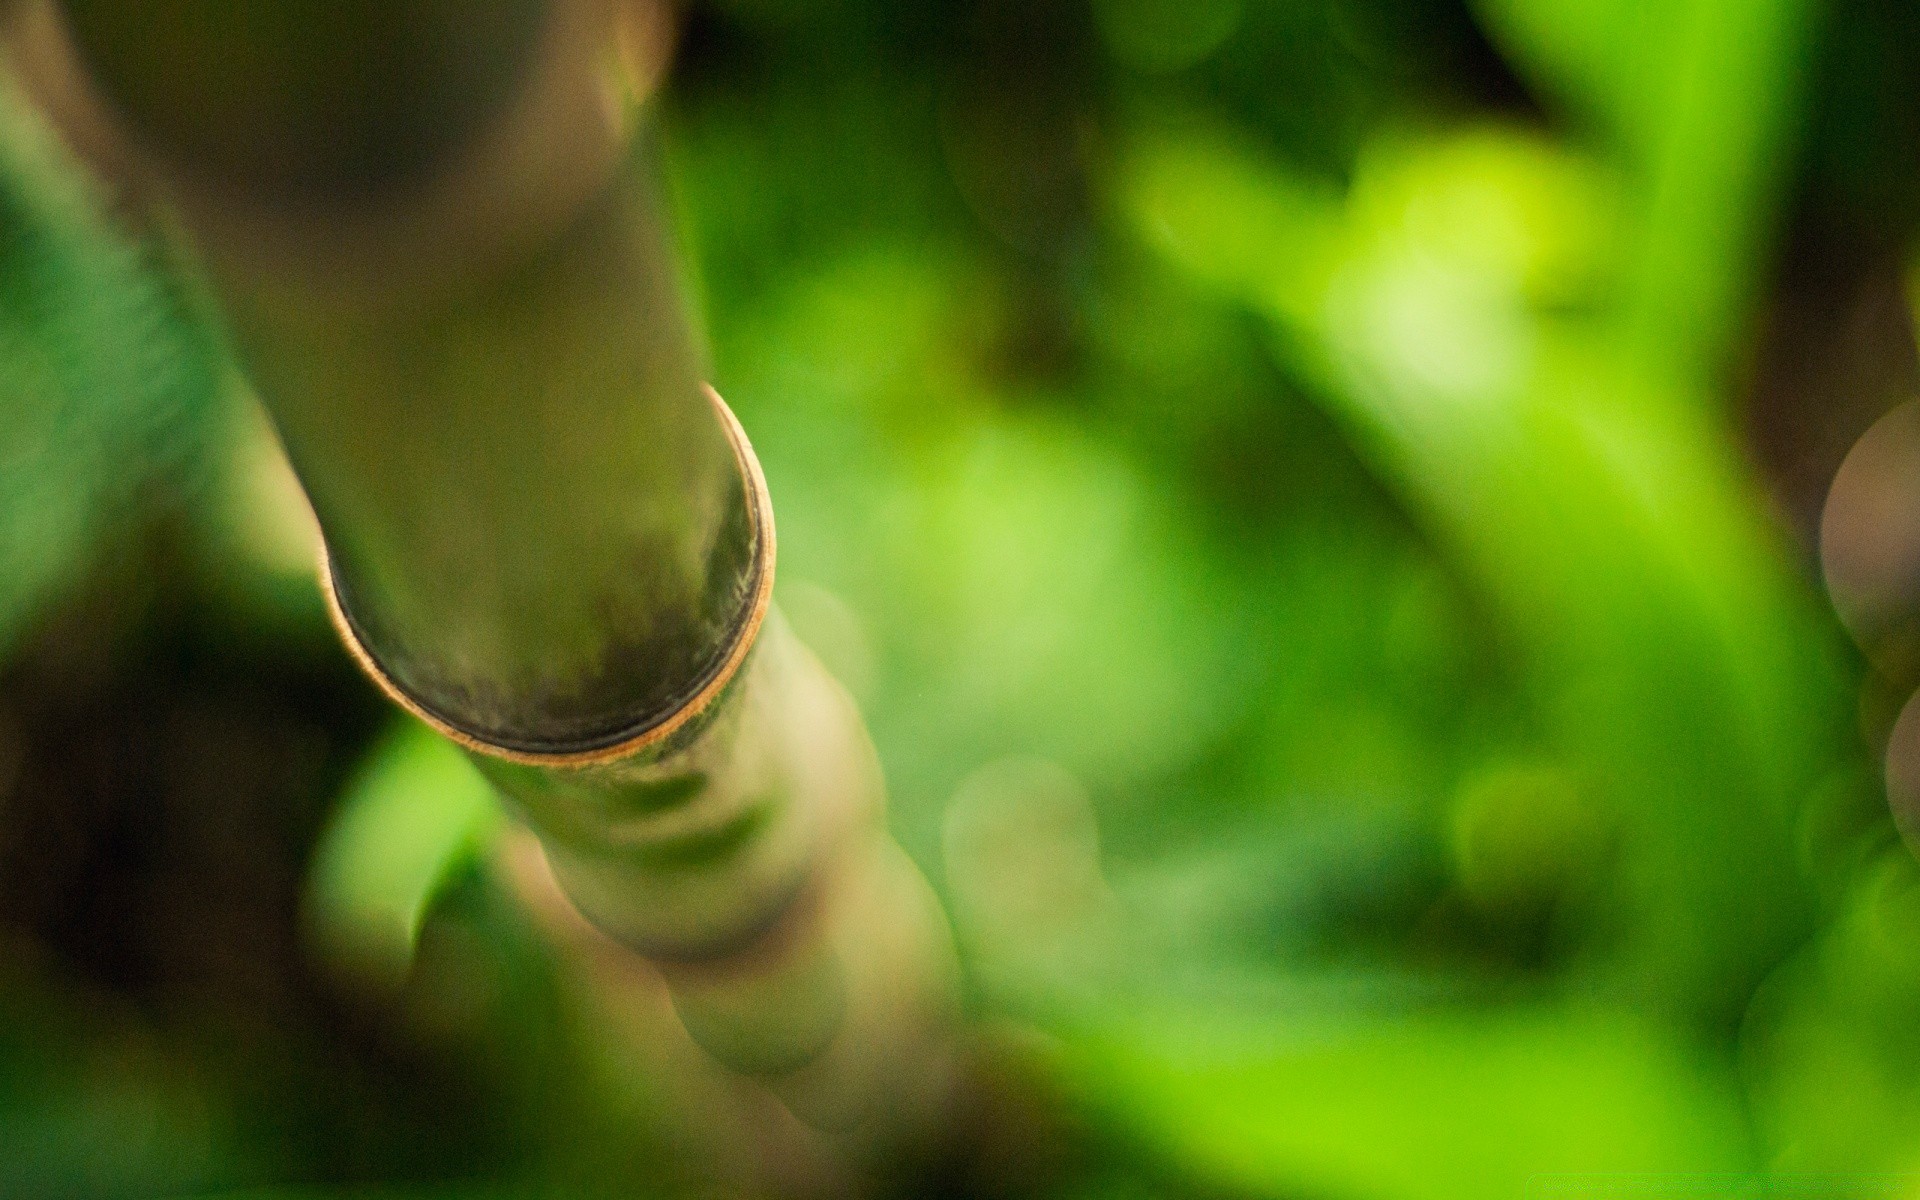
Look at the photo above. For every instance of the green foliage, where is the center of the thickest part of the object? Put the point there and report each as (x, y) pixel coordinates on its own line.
(1700, 98)
(105, 380)
(1475, 1104)
(1281, 505)
(1604, 512)
(91, 1104)
(417, 817)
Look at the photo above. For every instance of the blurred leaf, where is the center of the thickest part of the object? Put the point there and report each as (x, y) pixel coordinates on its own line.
(1165, 35)
(260, 539)
(1202, 197)
(1831, 1048)
(104, 376)
(93, 1102)
(1701, 96)
(416, 815)
(1450, 325)
(1436, 1106)
(1026, 588)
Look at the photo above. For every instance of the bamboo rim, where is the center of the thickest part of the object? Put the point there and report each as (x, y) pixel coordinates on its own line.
(649, 732)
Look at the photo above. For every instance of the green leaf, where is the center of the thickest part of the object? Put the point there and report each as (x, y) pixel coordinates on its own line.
(416, 815)
(1440, 1106)
(1454, 325)
(1699, 96)
(105, 378)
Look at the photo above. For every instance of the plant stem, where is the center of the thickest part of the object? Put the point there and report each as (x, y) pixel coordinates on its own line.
(541, 534)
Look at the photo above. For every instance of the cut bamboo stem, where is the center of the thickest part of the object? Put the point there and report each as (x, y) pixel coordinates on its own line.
(545, 536)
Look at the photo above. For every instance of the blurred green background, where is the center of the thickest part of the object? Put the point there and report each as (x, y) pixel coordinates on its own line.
(1318, 501)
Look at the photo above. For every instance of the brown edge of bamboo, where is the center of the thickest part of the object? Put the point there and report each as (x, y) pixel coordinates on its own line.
(656, 731)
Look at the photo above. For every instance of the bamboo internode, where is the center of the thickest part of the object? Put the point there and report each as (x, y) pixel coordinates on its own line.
(545, 535)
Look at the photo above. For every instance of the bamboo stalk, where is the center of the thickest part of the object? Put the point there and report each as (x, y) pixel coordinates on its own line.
(545, 536)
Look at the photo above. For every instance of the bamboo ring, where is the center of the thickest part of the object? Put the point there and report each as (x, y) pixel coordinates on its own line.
(650, 731)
